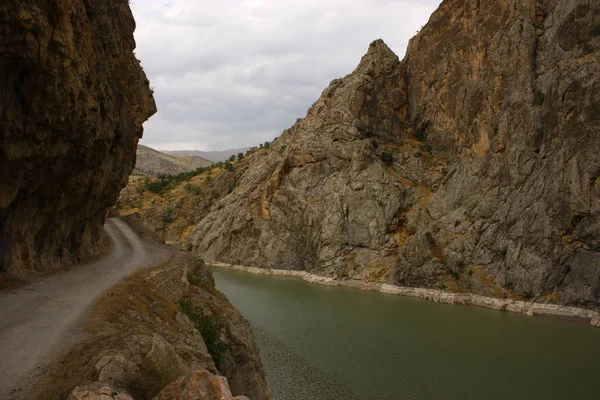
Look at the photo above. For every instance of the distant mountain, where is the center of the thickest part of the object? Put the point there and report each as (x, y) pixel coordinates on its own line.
(214, 156)
(153, 162)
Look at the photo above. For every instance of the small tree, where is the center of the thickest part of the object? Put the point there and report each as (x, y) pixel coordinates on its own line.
(387, 158)
(267, 145)
(240, 156)
(232, 158)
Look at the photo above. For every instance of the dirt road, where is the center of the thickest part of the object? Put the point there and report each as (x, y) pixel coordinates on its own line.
(35, 319)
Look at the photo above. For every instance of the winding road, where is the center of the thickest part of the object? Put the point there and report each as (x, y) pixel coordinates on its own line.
(35, 319)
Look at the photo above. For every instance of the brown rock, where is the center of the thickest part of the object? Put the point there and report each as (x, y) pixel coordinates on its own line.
(474, 159)
(73, 101)
(98, 391)
(198, 385)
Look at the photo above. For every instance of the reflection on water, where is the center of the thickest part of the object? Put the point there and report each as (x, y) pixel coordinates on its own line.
(321, 343)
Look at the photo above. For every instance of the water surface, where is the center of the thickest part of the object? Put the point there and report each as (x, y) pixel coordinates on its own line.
(322, 343)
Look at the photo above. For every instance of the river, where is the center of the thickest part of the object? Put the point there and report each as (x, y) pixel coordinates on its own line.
(325, 343)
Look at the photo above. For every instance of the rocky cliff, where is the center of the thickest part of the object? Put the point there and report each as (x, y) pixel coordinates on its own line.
(470, 165)
(72, 105)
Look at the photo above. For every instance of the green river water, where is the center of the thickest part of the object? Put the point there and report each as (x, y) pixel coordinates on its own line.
(322, 343)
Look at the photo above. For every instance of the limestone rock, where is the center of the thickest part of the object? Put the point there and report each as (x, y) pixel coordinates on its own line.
(198, 385)
(163, 359)
(98, 391)
(471, 164)
(114, 368)
(73, 101)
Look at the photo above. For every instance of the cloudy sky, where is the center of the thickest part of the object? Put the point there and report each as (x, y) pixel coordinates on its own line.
(235, 73)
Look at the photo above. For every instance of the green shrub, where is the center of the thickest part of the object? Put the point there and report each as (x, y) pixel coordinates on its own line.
(374, 143)
(157, 186)
(420, 134)
(529, 295)
(209, 327)
(193, 189)
(538, 98)
(387, 158)
(168, 216)
(190, 277)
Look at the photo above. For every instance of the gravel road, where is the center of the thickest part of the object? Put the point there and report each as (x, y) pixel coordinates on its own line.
(35, 319)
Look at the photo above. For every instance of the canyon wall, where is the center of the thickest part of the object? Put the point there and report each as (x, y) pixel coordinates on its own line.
(471, 165)
(71, 111)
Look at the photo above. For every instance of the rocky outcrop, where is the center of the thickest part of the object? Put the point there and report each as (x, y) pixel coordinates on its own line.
(514, 109)
(470, 165)
(71, 111)
(198, 385)
(98, 392)
(156, 327)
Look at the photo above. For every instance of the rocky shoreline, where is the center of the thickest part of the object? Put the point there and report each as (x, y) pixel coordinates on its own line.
(438, 296)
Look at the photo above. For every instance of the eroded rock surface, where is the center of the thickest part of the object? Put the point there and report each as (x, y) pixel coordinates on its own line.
(470, 165)
(198, 385)
(155, 327)
(98, 391)
(72, 105)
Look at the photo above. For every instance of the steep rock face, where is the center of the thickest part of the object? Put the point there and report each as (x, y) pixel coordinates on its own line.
(198, 385)
(72, 106)
(470, 165)
(322, 198)
(508, 92)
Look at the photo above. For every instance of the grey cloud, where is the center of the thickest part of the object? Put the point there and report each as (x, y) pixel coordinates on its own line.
(236, 73)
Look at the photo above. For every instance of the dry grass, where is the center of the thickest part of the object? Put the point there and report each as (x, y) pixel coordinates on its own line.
(479, 274)
(402, 235)
(451, 284)
(133, 296)
(438, 253)
(109, 326)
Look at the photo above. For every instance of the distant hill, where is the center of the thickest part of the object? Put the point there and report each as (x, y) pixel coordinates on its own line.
(214, 156)
(153, 162)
